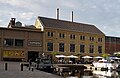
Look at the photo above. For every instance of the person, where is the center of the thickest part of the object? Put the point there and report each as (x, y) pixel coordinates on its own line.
(30, 62)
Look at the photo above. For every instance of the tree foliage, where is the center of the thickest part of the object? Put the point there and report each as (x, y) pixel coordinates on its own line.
(55, 53)
(105, 55)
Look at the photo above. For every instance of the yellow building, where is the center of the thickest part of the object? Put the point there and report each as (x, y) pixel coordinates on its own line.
(70, 38)
(48, 36)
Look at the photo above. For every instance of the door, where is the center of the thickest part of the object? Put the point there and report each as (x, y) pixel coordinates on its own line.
(33, 55)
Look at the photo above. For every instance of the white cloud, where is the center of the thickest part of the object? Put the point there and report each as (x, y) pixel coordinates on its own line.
(69, 3)
(12, 14)
(13, 2)
(26, 16)
(103, 13)
(1, 20)
(27, 4)
(23, 16)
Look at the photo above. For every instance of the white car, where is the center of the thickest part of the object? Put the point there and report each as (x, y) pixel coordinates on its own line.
(105, 64)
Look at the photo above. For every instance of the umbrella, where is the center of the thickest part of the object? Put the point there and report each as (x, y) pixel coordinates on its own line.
(116, 58)
(72, 56)
(117, 53)
(87, 57)
(98, 57)
(60, 56)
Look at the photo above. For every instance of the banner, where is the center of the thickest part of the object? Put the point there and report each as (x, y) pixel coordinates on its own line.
(13, 53)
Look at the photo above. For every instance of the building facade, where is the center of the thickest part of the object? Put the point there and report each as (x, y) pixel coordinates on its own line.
(50, 35)
(70, 38)
(112, 44)
(20, 43)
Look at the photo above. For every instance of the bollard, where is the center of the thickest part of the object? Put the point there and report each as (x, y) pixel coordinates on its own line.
(90, 68)
(6, 66)
(95, 68)
(21, 67)
(32, 68)
(29, 67)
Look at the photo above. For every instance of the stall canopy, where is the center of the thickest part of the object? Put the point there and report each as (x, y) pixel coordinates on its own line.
(60, 56)
(98, 57)
(72, 56)
(87, 57)
(117, 53)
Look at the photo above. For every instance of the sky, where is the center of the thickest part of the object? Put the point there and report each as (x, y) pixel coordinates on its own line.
(104, 14)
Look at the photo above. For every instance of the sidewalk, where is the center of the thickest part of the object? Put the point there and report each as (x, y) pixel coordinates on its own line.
(14, 71)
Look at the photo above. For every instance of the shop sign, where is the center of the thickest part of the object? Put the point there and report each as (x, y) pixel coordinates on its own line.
(13, 53)
(34, 43)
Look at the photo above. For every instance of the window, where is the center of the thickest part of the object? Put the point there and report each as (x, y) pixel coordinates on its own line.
(91, 38)
(82, 37)
(61, 47)
(117, 40)
(13, 42)
(100, 49)
(8, 42)
(50, 34)
(113, 39)
(91, 48)
(18, 42)
(72, 36)
(61, 35)
(82, 48)
(72, 47)
(0, 41)
(99, 39)
(107, 39)
(49, 46)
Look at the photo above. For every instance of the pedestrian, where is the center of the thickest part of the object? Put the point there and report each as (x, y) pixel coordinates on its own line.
(30, 62)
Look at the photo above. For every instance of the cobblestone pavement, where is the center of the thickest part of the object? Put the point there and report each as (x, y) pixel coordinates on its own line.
(14, 71)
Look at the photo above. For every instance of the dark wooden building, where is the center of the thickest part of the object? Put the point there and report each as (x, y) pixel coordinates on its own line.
(112, 44)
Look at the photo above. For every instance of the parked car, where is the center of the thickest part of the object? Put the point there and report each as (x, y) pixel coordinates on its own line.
(43, 63)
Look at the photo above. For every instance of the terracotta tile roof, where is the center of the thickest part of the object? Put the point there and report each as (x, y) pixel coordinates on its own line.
(74, 26)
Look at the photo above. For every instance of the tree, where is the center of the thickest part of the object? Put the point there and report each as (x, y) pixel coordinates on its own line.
(105, 55)
(53, 56)
(77, 54)
(55, 53)
(117, 54)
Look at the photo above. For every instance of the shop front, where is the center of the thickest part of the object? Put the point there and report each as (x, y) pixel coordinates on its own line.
(13, 55)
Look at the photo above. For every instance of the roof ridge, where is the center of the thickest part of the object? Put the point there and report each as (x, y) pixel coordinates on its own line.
(66, 21)
(69, 25)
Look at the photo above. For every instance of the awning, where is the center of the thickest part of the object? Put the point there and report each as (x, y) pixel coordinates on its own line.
(117, 53)
(87, 57)
(60, 56)
(72, 56)
(98, 57)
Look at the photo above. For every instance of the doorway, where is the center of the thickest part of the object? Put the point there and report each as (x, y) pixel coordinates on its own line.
(73, 60)
(33, 55)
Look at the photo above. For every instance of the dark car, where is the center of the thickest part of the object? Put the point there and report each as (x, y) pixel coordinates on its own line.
(42, 63)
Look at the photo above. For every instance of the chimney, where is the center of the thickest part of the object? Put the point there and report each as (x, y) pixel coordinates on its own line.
(12, 21)
(72, 16)
(57, 15)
